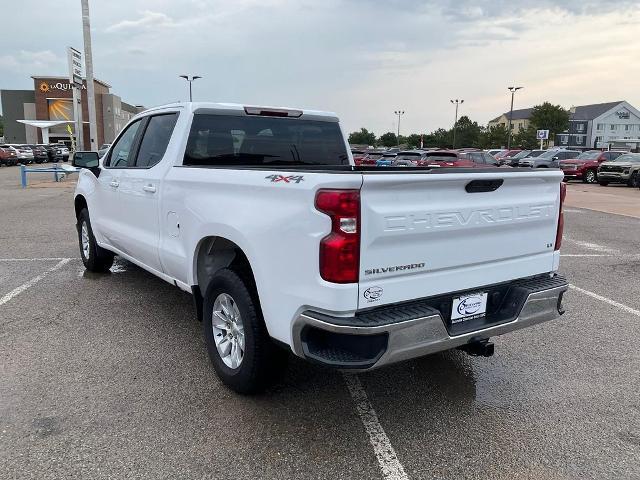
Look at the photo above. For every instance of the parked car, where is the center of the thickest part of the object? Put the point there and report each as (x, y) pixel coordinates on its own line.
(64, 150)
(39, 153)
(507, 153)
(371, 158)
(8, 156)
(386, 160)
(25, 154)
(358, 155)
(54, 152)
(408, 158)
(481, 158)
(624, 169)
(495, 151)
(548, 159)
(352, 269)
(512, 160)
(585, 166)
(445, 158)
(534, 153)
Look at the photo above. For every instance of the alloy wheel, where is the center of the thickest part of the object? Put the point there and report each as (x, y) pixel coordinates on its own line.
(228, 330)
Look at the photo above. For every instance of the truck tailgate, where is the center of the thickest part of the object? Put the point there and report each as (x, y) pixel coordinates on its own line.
(424, 234)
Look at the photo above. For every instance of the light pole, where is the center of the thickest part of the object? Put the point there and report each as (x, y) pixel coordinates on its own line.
(399, 113)
(88, 67)
(190, 80)
(513, 91)
(455, 122)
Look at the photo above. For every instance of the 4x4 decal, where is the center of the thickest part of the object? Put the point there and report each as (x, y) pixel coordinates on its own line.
(288, 179)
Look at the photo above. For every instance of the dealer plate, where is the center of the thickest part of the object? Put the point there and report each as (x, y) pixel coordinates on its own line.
(469, 307)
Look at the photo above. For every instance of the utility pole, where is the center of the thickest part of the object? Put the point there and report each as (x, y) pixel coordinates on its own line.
(88, 66)
(190, 80)
(513, 91)
(455, 122)
(399, 113)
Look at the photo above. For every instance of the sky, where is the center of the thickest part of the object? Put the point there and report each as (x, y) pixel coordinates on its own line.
(363, 59)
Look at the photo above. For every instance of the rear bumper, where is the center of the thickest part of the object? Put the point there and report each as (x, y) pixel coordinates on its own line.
(400, 332)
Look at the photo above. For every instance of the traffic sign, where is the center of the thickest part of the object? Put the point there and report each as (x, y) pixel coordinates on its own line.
(542, 134)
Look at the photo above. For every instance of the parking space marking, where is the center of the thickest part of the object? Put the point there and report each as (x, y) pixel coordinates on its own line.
(621, 306)
(593, 246)
(18, 290)
(41, 259)
(391, 467)
(585, 255)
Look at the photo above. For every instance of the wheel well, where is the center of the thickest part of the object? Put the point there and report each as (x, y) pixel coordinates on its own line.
(79, 203)
(214, 254)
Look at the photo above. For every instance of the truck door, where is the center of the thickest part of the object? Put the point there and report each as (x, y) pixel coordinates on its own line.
(140, 191)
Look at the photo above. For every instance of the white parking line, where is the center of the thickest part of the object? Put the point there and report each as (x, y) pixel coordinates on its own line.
(621, 306)
(391, 467)
(41, 259)
(585, 255)
(18, 290)
(593, 246)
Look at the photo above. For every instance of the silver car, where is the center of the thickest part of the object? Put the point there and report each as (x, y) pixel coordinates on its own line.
(548, 159)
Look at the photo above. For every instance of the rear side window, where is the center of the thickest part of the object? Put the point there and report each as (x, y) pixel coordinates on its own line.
(155, 140)
(220, 140)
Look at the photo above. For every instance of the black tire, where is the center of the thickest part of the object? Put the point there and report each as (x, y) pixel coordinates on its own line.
(590, 176)
(97, 259)
(262, 360)
(603, 184)
(633, 180)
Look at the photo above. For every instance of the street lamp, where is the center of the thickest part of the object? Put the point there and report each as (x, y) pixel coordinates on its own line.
(513, 91)
(190, 80)
(455, 123)
(399, 113)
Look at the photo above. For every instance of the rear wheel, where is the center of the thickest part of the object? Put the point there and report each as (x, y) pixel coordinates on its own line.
(633, 180)
(240, 348)
(94, 257)
(603, 184)
(590, 176)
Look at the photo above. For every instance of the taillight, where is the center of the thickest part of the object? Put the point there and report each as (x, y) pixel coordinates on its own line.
(563, 193)
(340, 250)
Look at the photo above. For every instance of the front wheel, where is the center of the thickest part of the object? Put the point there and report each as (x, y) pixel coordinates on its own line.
(94, 257)
(633, 181)
(240, 348)
(590, 176)
(603, 184)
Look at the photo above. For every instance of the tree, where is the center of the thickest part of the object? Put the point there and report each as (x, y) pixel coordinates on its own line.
(413, 140)
(363, 137)
(494, 137)
(550, 117)
(467, 132)
(388, 139)
(440, 138)
(526, 138)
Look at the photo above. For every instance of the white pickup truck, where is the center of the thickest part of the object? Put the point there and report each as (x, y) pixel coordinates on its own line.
(261, 214)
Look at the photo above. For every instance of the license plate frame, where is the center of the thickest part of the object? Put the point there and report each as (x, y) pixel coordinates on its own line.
(469, 306)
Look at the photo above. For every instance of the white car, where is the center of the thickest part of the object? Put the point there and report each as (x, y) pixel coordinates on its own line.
(24, 153)
(260, 213)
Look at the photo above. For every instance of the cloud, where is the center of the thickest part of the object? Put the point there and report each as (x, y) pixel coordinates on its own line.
(32, 61)
(148, 21)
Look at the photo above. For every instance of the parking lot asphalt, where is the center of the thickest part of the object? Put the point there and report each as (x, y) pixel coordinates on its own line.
(106, 376)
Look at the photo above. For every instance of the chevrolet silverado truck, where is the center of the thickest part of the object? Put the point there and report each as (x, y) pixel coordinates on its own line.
(286, 245)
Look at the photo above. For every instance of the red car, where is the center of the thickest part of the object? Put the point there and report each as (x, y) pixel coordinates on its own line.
(445, 158)
(8, 157)
(507, 153)
(358, 155)
(585, 166)
(370, 158)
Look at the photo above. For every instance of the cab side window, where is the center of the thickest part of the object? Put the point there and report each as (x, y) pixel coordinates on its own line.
(121, 155)
(155, 140)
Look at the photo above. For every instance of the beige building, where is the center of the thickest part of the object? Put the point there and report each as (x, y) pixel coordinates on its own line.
(520, 119)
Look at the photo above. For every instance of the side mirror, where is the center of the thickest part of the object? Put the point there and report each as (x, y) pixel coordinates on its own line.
(85, 159)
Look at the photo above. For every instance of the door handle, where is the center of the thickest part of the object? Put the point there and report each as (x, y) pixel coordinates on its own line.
(149, 188)
(114, 184)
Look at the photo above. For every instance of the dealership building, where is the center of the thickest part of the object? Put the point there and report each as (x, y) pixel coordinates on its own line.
(50, 105)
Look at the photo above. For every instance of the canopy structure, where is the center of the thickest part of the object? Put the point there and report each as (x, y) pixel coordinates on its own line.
(44, 125)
